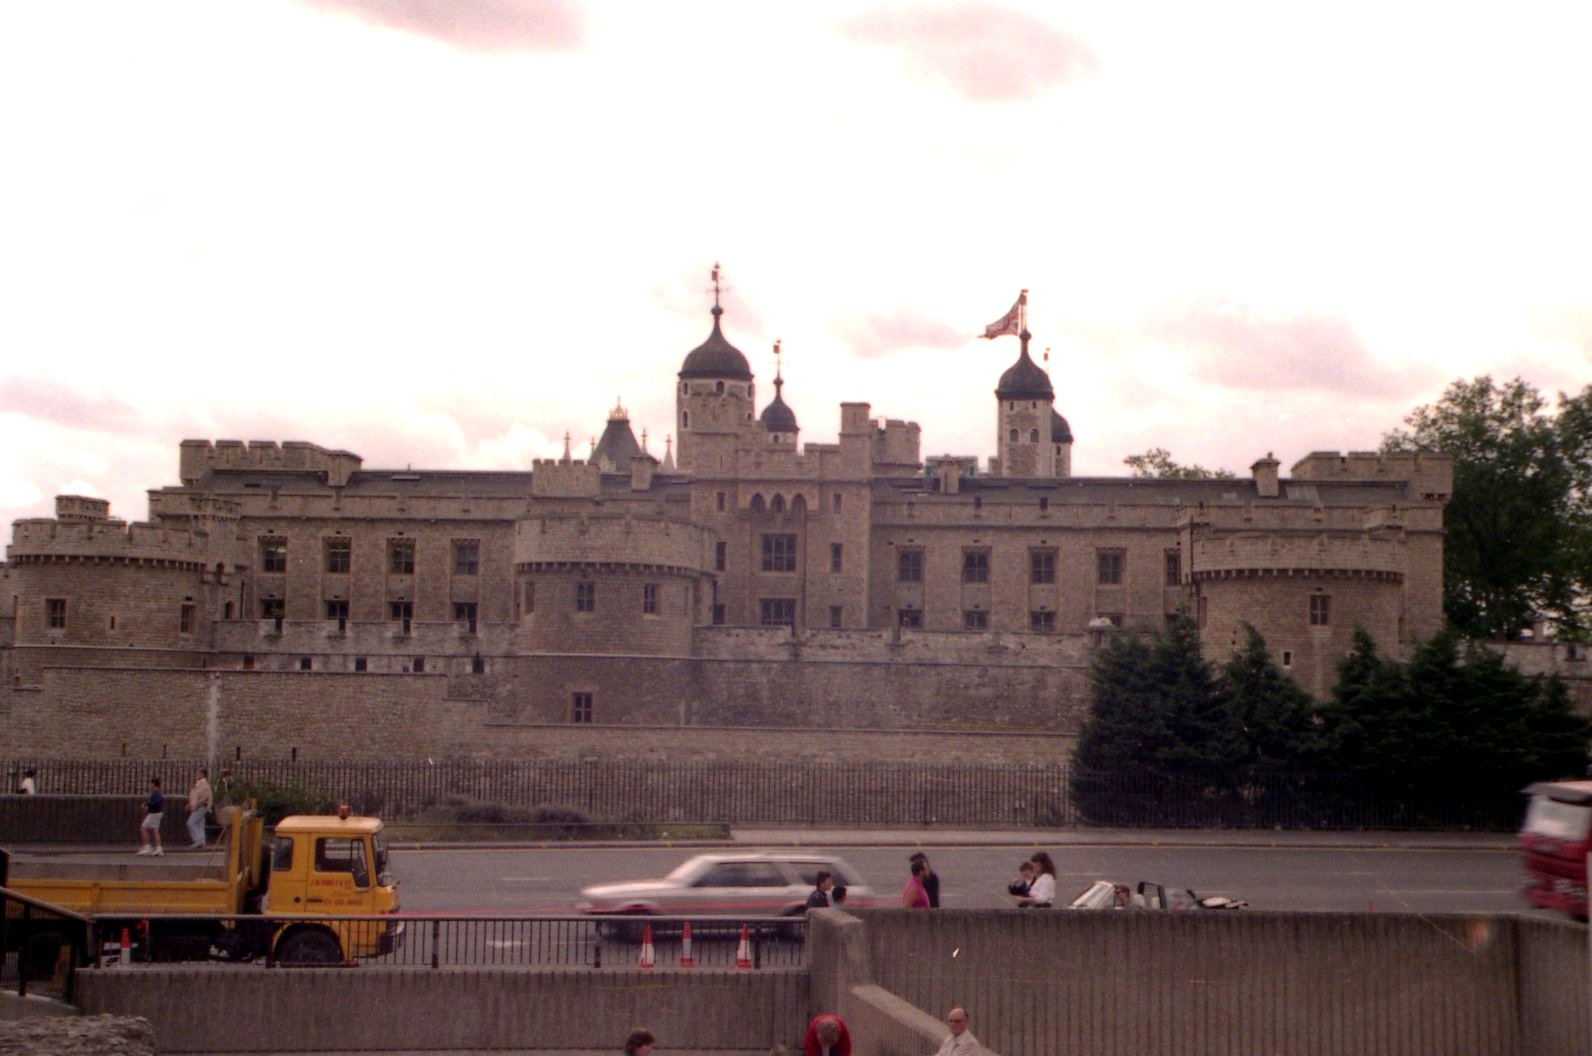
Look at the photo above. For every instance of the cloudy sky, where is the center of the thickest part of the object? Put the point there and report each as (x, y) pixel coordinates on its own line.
(443, 233)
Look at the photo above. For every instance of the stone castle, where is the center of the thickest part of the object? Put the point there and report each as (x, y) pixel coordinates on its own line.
(283, 597)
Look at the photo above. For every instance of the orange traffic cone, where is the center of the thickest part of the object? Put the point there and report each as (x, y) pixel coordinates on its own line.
(686, 960)
(127, 947)
(743, 952)
(647, 954)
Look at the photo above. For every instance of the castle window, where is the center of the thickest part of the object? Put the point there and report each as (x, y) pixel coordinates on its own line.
(718, 501)
(758, 506)
(305, 664)
(248, 662)
(338, 610)
(1041, 566)
(401, 557)
(685, 388)
(226, 612)
(464, 612)
(272, 608)
(834, 502)
(530, 596)
(978, 502)
(909, 565)
(837, 553)
(419, 665)
(477, 665)
(339, 556)
(585, 597)
(777, 612)
(1320, 610)
(1042, 622)
(273, 555)
(685, 419)
(185, 619)
(718, 388)
(720, 556)
(1108, 567)
(580, 707)
(834, 615)
(55, 613)
(718, 615)
(1013, 437)
(1033, 436)
(1287, 658)
(1174, 568)
(402, 612)
(1044, 503)
(466, 557)
(778, 505)
(975, 566)
(361, 664)
(975, 620)
(910, 618)
(649, 599)
(779, 553)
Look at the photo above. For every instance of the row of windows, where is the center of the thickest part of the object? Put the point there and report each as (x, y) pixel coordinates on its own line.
(463, 611)
(781, 612)
(338, 556)
(414, 665)
(1110, 566)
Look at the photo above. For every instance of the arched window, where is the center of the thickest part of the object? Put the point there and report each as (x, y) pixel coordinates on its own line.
(1033, 436)
(1014, 436)
(757, 503)
(718, 388)
(798, 505)
(685, 388)
(778, 505)
(685, 419)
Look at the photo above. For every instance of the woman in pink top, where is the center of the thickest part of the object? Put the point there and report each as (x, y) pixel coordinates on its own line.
(914, 896)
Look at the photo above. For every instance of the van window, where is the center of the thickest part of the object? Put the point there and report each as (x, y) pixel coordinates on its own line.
(282, 854)
(742, 874)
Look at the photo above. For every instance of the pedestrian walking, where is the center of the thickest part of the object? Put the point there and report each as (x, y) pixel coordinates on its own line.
(931, 880)
(27, 787)
(639, 1043)
(149, 828)
(199, 800)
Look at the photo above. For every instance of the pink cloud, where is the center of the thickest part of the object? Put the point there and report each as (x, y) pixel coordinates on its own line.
(1238, 348)
(58, 404)
(873, 336)
(987, 53)
(475, 25)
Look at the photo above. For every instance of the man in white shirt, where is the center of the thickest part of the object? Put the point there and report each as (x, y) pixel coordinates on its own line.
(961, 1041)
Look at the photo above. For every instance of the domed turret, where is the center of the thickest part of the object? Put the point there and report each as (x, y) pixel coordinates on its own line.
(1060, 431)
(716, 357)
(1025, 380)
(778, 419)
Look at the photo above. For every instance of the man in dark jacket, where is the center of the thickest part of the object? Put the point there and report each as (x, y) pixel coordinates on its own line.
(819, 899)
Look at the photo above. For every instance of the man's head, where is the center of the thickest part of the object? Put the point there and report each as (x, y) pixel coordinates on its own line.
(838, 895)
(204, 772)
(826, 880)
(919, 857)
(828, 1032)
(956, 1019)
(154, 782)
(1027, 868)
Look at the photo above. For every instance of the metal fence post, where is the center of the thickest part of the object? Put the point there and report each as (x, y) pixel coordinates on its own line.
(436, 939)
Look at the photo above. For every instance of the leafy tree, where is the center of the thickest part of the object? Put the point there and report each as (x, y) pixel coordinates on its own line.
(1157, 462)
(1519, 526)
(1272, 717)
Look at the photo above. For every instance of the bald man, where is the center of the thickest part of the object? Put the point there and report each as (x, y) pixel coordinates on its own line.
(961, 1041)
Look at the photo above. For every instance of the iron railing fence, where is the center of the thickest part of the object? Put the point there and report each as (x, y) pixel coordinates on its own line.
(41, 946)
(575, 799)
(435, 940)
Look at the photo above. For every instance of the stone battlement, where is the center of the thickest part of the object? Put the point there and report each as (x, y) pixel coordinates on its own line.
(42, 538)
(1267, 554)
(199, 458)
(1430, 474)
(620, 539)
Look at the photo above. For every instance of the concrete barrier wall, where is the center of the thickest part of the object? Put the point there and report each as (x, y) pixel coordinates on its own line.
(1231, 984)
(248, 1008)
(92, 819)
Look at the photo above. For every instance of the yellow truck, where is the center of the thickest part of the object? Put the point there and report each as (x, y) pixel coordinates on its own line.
(261, 898)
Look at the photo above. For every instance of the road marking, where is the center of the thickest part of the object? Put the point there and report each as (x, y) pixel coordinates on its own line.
(526, 879)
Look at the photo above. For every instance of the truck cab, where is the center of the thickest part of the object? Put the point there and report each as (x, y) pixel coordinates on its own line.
(1553, 845)
(331, 865)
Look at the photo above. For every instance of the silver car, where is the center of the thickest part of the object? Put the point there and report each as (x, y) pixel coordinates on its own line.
(723, 887)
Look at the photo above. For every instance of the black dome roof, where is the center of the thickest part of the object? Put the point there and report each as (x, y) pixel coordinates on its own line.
(1024, 380)
(1060, 431)
(716, 357)
(777, 417)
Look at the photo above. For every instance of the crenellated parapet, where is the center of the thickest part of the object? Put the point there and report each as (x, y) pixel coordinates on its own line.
(616, 540)
(565, 479)
(199, 458)
(40, 540)
(1264, 555)
(1430, 474)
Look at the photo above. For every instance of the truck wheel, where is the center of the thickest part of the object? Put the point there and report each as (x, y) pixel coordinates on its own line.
(309, 947)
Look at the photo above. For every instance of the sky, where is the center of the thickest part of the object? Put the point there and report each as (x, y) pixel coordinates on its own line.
(447, 233)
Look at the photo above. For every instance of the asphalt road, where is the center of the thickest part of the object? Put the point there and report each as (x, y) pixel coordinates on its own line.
(1360, 878)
